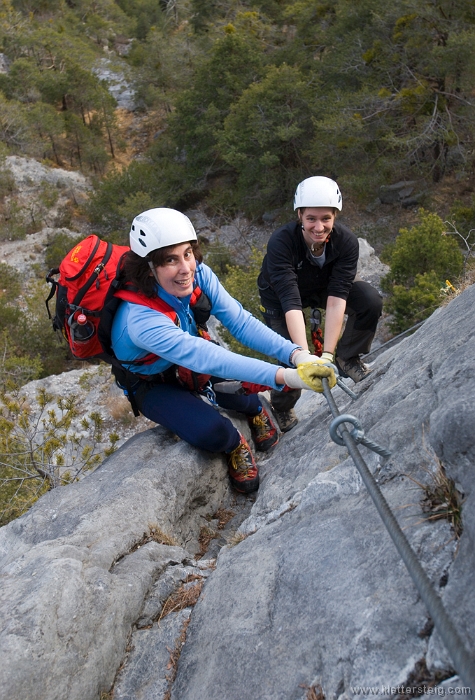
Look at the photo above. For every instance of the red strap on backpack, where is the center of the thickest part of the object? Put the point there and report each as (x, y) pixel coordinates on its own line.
(252, 388)
(194, 381)
(136, 297)
(191, 380)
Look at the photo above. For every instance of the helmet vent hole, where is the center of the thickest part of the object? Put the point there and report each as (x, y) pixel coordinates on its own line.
(142, 243)
(142, 233)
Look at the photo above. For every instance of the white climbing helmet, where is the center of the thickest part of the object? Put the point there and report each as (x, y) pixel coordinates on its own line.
(318, 191)
(157, 228)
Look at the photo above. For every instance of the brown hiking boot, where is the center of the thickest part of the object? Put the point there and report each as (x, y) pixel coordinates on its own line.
(286, 419)
(242, 468)
(353, 368)
(263, 431)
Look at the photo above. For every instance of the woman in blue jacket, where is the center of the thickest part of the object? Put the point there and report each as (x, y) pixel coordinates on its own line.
(157, 335)
(312, 262)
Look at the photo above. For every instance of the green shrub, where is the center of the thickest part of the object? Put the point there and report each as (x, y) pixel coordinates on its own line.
(40, 450)
(9, 283)
(16, 371)
(463, 215)
(424, 248)
(25, 331)
(105, 207)
(421, 259)
(234, 62)
(264, 136)
(241, 283)
(134, 204)
(58, 246)
(409, 306)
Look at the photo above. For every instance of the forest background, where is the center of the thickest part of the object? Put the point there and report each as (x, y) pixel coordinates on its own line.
(234, 104)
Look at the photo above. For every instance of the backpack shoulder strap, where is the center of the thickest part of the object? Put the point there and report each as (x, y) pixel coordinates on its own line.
(200, 305)
(111, 304)
(54, 285)
(136, 297)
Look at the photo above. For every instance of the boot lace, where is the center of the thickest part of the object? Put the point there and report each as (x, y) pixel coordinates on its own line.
(360, 368)
(261, 425)
(240, 462)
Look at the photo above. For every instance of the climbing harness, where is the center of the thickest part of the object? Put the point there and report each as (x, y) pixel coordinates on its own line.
(316, 331)
(463, 664)
(317, 340)
(208, 395)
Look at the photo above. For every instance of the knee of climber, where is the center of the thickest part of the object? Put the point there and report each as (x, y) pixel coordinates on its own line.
(218, 436)
(369, 310)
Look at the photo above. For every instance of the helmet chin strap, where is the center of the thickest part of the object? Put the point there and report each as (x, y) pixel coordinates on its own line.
(154, 272)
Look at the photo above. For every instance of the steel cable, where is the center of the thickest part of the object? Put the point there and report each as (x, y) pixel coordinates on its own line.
(462, 661)
(390, 342)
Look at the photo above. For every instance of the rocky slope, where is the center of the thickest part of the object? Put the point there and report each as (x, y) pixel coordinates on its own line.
(108, 585)
(150, 579)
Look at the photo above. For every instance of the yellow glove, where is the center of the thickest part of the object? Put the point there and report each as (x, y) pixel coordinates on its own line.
(312, 374)
(308, 375)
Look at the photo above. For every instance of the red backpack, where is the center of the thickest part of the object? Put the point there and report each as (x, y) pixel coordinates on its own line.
(85, 275)
(88, 294)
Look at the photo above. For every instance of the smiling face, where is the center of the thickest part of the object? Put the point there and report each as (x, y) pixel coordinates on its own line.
(177, 272)
(317, 223)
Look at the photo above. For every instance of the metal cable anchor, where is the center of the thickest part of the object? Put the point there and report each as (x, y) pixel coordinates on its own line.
(357, 434)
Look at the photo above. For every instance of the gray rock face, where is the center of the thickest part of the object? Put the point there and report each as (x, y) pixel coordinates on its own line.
(74, 581)
(314, 593)
(118, 84)
(400, 193)
(370, 267)
(23, 254)
(30, 179)
(28, 173)
(317, 592)
(151, 651)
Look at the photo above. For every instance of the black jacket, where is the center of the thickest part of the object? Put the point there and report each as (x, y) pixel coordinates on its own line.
(289, 279)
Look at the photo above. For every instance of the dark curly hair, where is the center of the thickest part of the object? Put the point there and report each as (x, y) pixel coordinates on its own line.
(136, 270)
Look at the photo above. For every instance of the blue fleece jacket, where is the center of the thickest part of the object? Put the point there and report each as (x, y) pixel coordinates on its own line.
(138, 330)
